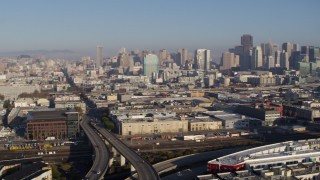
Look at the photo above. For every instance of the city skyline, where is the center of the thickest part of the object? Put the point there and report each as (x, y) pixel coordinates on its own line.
(75, 28)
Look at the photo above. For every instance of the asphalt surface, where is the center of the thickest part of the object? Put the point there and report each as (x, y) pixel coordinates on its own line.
(101, 161)
(144, 169)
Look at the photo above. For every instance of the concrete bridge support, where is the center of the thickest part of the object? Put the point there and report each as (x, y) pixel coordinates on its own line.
(132, 169)
(122, 160)
(106, 142)
(110, 162)
(114, 151)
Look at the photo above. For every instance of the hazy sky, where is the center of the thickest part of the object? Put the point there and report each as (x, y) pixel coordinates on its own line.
(78, 26)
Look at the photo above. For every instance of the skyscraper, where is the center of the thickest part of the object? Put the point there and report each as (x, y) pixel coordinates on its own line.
(305, 50)
(99, 57)
(295, 47)
(245, 57)
(314, 53)
(277, 56)
(256, 58)
(270, 62)
(246, 42)
(150, 65)
(163, 55)
(182, 56)
(229, 60)
(287, 47)
(284, 60)
(202, 59)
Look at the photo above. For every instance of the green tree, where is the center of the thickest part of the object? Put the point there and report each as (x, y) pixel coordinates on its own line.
(108, 123)
(55, 172)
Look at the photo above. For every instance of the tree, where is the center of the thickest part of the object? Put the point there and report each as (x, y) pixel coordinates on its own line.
(66, 167)
(55, 172)
(108, 123)
(79, 110)
(1, 97)
(7, 104)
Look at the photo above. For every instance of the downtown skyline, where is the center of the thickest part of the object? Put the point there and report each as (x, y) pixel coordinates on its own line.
(75, 28)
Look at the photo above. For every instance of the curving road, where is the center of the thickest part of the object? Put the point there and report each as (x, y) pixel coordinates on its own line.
(101, 161)
(144, 169)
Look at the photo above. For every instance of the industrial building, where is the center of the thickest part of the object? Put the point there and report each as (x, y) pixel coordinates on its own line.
(60, 124)
(266, 158)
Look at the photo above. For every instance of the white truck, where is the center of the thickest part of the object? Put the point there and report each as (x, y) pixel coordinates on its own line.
(50, 138)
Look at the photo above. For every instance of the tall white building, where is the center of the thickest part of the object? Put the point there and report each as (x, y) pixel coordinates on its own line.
(277, 55)
(99, 56)
(256, 58)
(202, 59)
(270, 62)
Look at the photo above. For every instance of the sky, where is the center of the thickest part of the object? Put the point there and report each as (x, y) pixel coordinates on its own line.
(75, 27)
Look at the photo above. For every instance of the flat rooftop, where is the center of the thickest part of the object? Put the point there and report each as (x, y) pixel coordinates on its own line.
(149, 119)
(271, 152)
(48, 114)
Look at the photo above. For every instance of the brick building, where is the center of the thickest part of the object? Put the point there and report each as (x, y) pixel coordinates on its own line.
(60, 124)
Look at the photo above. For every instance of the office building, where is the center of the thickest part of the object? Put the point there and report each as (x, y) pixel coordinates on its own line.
(256, 58)
(99, 57)
(60, 124)
(202, 59)
(150, 65)
(268, 116)
(247, 42)
(163, 56)
(295, 47)
(245, 56)
(270, 62)
(287, 47)
(182, 57)
(229, 60)
(284, 60)
(277, 56)
(314, 53)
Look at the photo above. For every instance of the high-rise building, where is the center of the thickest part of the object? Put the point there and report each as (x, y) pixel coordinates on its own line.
(247, 42)
(150, 65)
(124, 60)
(270, 62)
(268, 49)
(277, 56)
(284, 60)
(99, 57)
(295, 47)
(287, 47)
(182, 56)
(229, 60)
(304, 49)
(314, 53)
(256, 58)
(163, 55)
(202, 59)
(245, 56)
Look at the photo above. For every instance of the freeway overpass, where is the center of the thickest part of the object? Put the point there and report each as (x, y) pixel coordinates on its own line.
(101, 161)
(144, 169)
